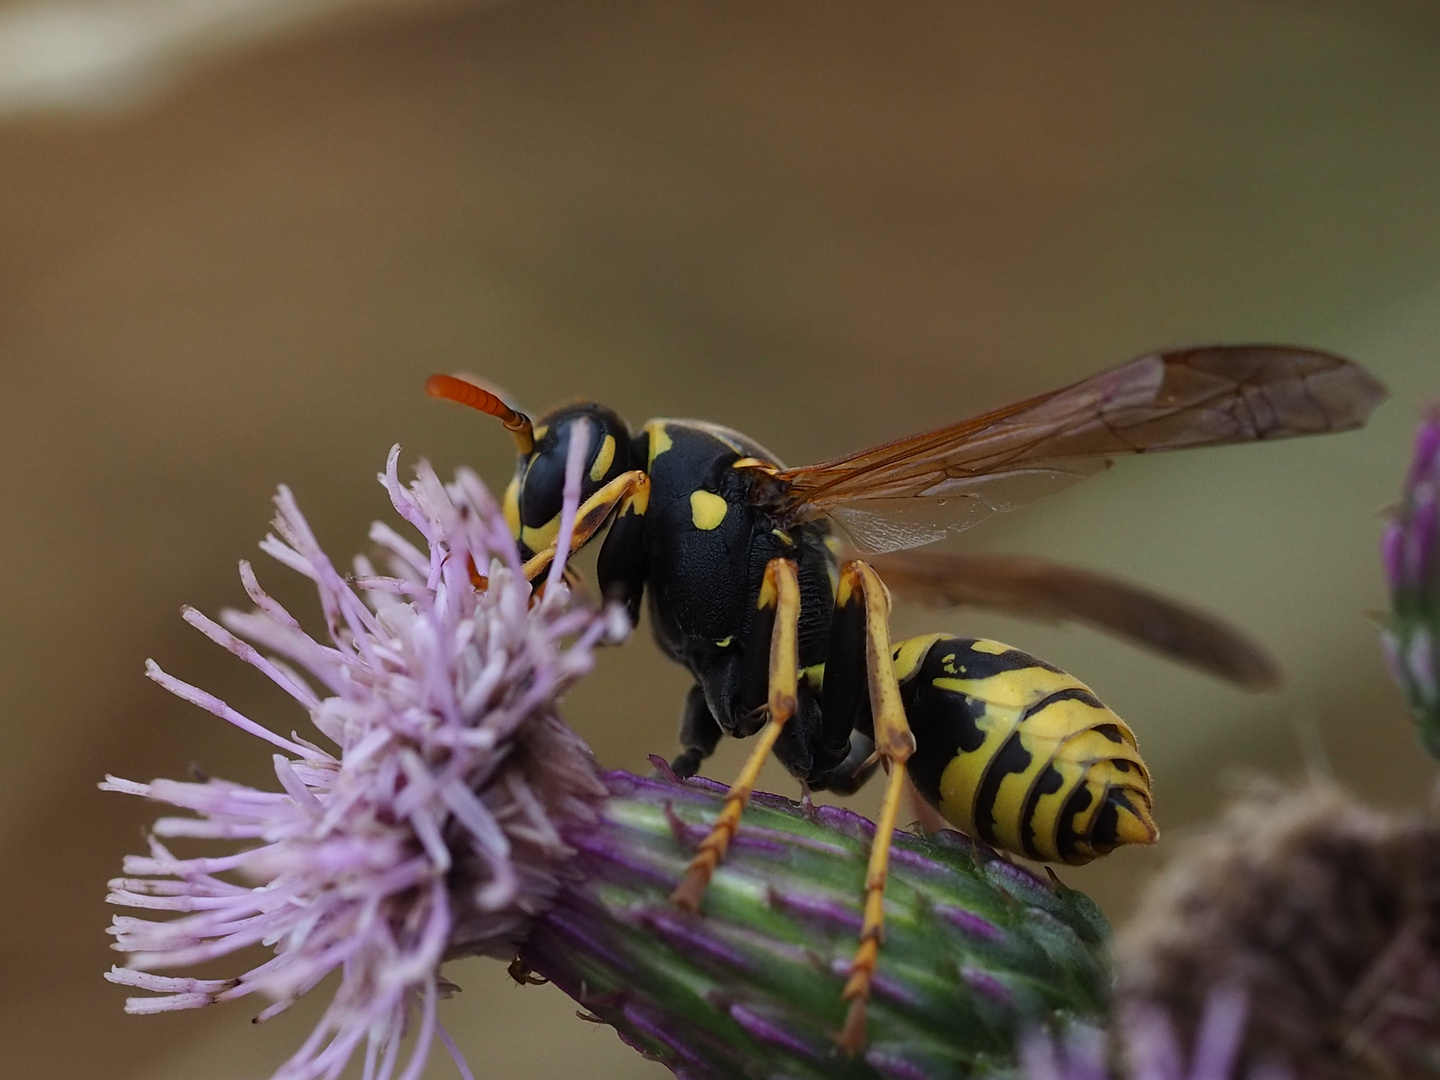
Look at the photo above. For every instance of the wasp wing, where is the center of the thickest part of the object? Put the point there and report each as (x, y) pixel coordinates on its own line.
(913, 490)
(1038, 589)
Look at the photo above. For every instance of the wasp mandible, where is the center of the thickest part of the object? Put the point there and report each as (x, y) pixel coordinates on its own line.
(786, 632)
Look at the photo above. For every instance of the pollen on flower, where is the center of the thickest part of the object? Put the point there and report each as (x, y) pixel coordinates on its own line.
(421, 823)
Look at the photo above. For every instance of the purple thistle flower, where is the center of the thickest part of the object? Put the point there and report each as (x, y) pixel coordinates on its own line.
(429, 827)
(1410, 550)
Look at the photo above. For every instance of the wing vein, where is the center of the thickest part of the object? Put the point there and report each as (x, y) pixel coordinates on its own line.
(955, 476)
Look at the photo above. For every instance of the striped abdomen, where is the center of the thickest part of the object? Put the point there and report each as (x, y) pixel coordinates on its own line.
(1020, 754)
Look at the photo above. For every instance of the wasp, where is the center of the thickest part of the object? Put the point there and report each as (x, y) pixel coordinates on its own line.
(769, 585)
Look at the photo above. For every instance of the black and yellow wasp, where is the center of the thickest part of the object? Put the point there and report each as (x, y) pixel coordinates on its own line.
(744, 562)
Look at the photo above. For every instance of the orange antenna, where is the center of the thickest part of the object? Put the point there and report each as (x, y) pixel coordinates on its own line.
(477, 397)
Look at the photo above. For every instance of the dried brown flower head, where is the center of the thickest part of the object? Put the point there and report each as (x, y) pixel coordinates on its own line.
(1326, 911)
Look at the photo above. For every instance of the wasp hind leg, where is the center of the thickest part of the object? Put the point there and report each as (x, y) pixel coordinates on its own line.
(860, 649)
(777, 617)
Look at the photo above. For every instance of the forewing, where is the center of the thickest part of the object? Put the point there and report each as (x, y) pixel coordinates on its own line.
(1166, 401)
(1053, 592)
(880, 525)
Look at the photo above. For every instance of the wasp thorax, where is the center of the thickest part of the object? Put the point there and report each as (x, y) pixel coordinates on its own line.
(533, 500)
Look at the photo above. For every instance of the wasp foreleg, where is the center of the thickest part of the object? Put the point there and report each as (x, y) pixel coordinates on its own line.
(780, 599)
(623, 565)
(631, 488)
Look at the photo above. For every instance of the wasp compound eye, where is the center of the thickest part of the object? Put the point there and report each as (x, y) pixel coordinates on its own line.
(542, 482)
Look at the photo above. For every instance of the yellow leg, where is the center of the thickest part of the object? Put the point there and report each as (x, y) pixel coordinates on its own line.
(630, 487)
(895, 744)
(780, 590)
(862, 968)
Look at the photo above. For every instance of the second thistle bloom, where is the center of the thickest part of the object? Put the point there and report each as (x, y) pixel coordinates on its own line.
(1326, 912)
(1411, 549)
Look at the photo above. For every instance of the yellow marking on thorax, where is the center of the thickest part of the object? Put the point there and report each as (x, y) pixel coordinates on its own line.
(510, 506)
(639, 499)
(603, 457)
(707, 510)
(814, 675)
(659, 440)
(541, 430)
(725, 642)
(783, 537)
(994, 648)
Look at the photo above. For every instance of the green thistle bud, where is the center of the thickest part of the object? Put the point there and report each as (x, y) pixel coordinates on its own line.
(1411, 551)
(977, 952)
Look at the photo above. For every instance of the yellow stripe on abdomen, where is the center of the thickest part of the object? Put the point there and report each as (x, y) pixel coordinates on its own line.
(1057, 775)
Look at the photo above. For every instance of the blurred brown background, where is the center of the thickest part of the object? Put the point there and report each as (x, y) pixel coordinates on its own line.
(229, 255)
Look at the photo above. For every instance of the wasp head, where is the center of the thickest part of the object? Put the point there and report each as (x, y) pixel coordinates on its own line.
(533, 499)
